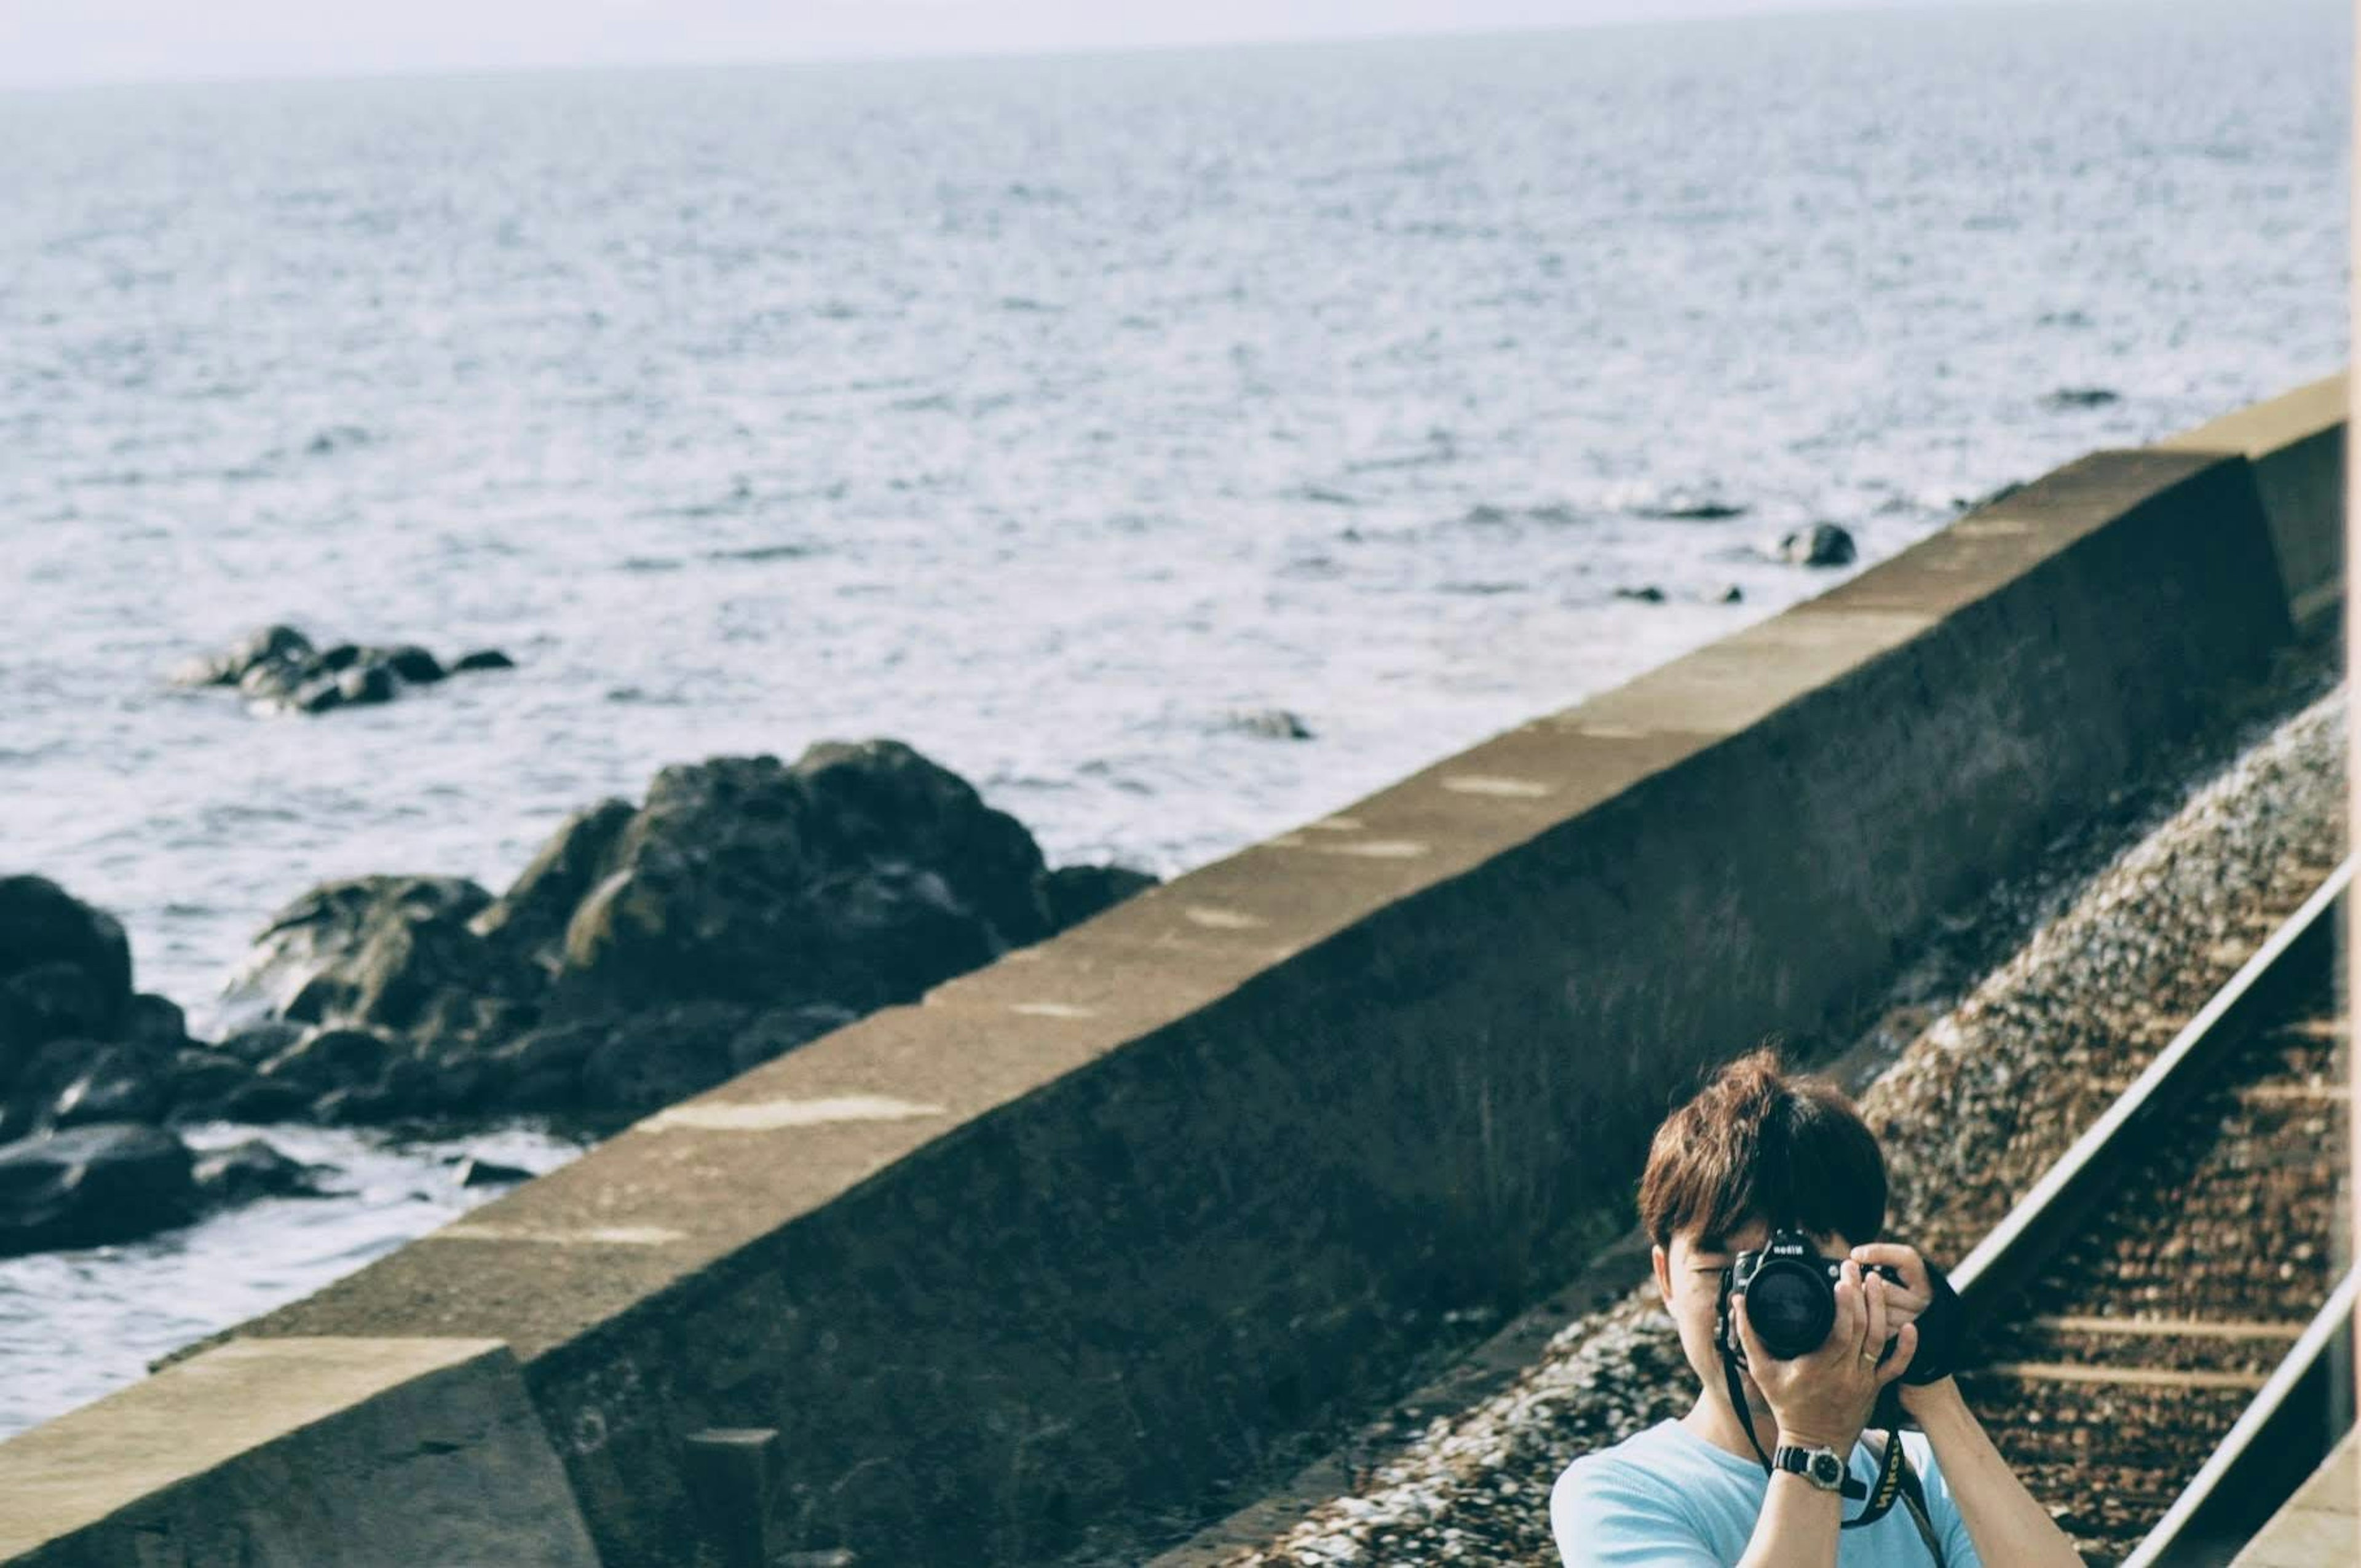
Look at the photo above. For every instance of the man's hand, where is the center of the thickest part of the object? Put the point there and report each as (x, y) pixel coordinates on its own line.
(1823, 1399)
(1904, 1302)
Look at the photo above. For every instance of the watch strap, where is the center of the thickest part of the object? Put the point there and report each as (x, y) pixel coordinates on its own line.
(1823, 1467)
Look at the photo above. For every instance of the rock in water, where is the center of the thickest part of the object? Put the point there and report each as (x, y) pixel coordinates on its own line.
(747, 907)
(2081, 398)
(278, 667)
(1272, 724)
(269, 645)
(65, 967)
(91, 1186)
(376, 952)
(1074, 893)
(483, 659)
(476, 1172)
(533, 915)
(1822, 544)
(254, 1169)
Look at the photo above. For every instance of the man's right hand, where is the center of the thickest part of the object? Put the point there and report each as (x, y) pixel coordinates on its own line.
(1823, 1399)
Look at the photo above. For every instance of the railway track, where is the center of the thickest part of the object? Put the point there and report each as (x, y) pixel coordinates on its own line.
(2160, 1316)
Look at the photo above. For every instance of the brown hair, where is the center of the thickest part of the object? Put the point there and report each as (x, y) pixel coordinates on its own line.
(1755, 1143)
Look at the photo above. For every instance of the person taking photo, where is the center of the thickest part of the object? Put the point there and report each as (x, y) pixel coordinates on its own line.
(1765, 1196)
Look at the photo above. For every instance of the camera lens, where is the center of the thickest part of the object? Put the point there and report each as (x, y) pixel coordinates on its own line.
(1792, 1309)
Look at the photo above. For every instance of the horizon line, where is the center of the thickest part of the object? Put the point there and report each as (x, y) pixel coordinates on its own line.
(965, 54)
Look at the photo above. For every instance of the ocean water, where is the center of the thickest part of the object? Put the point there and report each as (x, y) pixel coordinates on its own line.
(1045, 413)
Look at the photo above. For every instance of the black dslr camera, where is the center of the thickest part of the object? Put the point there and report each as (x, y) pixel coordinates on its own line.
(1791, 1297)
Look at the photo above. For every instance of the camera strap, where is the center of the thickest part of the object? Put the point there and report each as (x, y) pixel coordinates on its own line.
(1893, 1466)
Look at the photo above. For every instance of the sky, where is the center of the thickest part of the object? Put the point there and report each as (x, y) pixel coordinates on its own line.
(63, 42)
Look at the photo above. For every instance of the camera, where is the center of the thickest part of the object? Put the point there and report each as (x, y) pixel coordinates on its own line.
(1791, 1298)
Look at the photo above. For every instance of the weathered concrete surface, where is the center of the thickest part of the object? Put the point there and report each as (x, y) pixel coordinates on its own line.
(2296, 443)
(1068, 1245)
(299, 1453)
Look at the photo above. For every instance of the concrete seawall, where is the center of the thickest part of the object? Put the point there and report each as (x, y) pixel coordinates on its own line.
(1057, 1256)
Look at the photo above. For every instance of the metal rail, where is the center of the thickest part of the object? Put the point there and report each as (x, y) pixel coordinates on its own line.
(2015, 1247)
(2214, 1504)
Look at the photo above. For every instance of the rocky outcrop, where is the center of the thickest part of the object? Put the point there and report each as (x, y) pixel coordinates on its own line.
(78, 1045)
(91, 1185)
(108, 1182)
(646, 953)
(746, 907)
(277, 667)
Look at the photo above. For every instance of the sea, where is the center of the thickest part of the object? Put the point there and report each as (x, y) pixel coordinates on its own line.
(1067, 417)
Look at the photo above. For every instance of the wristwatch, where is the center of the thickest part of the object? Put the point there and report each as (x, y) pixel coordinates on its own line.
(1820, 1466)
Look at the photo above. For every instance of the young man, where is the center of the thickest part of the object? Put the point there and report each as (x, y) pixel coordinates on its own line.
(1754, 1150)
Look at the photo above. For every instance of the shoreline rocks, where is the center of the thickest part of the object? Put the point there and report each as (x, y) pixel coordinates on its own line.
(647, 952)
(276, 668)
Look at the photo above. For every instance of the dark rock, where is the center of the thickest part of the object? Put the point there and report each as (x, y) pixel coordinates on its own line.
(122, 1083)
(265, 1099)
(373, 950)
(278, 668)
(746, 909)
(79, 958)
(155, 1022)
(259, 1043)
(1707, 510)
(329, 1059)
(415, 664)
(2081, 398)
(1073, 893)
(270, 645)
(531, 916)
(243, 1172)
(1823, 544)
(484, 659)
(1733, 594)
(43, 1076)
(881, 802)
(1272, 724)
(863, 874)
(366, 684)
(92, 1186)
(778, 1030)
(49, 1000)
(319, 696)
(1651, 594)
(473, 1171)
(661, 1055)
(199, 1079)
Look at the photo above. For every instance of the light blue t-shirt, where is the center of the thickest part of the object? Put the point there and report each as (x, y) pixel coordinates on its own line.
(1667, 1497)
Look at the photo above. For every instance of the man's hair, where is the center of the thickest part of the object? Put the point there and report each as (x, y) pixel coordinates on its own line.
(1756, 1144)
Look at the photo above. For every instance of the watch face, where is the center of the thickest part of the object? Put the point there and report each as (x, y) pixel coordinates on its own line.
(1827, 1470)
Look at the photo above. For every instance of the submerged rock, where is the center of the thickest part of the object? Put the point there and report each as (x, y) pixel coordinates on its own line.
(278, 667)
(1272, 724)
(92, 1186)
(254, 1169)
(1822, 544)
(474, 1172)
